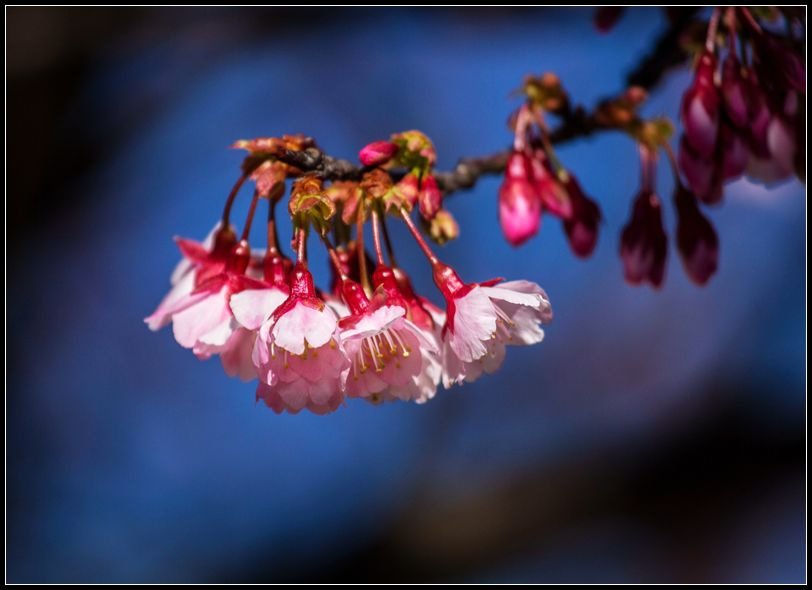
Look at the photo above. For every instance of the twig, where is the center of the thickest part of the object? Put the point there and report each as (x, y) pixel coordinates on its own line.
(575, 123)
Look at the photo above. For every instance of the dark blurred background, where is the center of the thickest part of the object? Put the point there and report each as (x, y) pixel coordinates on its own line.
(653, 437)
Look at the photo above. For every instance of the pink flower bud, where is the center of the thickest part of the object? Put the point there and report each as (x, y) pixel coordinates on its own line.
(582, 227)
(643, 243)
(409, 187)
(430, 199)
(700, 108)
(781, 142)
(700, 173)
(697, 241)
(377, 153)
(552, 193)
(519, 166)
(519, 210)
(784, 66)
(734, 153)
(760, 117)
(735, 92)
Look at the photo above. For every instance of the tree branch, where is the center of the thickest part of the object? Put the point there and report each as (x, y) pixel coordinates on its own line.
(666, 54)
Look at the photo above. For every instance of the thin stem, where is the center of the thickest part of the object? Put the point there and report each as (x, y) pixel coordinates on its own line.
(418, 238)
(359, 244)
(648, 168)
(246, 230)
(748, 16)
(666, 53)
(673, 160)
(300, 245)
(376, 234)
(231, 196)
(546, 143)
(523, 119)
(713, 27)
(273, 236)
(386, 240)
(334, 257)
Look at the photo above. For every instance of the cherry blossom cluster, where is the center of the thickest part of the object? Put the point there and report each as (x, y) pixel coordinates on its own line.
(368, 336)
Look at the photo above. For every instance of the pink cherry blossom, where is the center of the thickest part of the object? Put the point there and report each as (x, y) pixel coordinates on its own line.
(484, 318)
(198, 259)
(430, 319)
(251, 308)
(390, 357)
(298, 353)
(205, 323)
(386, 354)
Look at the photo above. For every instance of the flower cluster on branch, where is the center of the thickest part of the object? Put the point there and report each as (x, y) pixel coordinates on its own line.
(368, 334)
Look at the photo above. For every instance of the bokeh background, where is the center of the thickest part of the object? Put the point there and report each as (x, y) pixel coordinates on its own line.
(653, 436)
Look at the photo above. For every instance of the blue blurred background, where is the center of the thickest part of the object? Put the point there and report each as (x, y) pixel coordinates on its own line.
(653, 436)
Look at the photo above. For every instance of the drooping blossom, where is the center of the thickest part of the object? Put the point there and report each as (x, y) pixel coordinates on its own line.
(519, 203)
(384, 348)
(198, 261)
(582, 226)
(298, 354)
(700, 108)
(421, 318)
(551, 192)
(252, 307)
(483, 318)
(697, 241)
(643, 243)
(735, 92)
(204, 322)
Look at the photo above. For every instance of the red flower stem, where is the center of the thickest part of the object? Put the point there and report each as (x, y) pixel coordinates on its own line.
(376, 234)
(334, 257)
(386, 240)
(359, 244)
(273, 236)
(713, 26)
(547, 144)
(750, 19)
(231, 196)
(648, 168)
(418, 238)
(672, 158)
(246, 230)
(300, 246)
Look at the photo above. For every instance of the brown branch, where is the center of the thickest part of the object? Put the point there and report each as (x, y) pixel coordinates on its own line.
(577, 122)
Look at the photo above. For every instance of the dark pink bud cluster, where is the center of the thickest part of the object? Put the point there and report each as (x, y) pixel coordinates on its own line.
(415, 152)
(741, 118)
(644, 243)
(535, 183)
